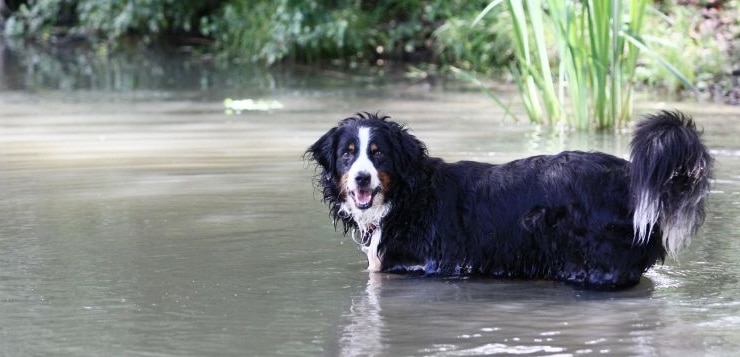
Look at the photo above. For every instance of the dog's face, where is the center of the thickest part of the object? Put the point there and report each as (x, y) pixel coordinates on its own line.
(363, 160)
(362, 167)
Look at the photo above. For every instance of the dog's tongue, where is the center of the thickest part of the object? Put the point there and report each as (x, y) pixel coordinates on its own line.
(364, 197)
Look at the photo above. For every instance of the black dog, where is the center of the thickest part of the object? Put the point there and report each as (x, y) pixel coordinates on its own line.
(590, 219)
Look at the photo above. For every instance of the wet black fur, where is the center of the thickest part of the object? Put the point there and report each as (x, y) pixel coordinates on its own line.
(565, 217)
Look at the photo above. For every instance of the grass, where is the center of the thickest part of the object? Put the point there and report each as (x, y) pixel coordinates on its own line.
(595, 44)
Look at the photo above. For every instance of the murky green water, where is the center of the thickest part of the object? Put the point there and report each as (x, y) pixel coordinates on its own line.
(149, 222)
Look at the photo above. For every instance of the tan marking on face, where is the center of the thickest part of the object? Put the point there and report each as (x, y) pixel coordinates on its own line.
(351, 148)
(343, 187)
(385, 180)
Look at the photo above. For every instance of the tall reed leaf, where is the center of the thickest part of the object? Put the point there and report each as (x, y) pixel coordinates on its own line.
(597, 44)
(472, 78)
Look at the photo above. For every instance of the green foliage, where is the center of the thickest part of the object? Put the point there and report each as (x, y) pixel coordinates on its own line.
(591, 61)
(681, 38)
(105, 20)
(482, 48)
(269, 31)
(38, 18)
(588, 48)
(113, 19)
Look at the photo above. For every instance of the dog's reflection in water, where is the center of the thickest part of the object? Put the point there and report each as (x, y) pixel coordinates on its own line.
(362, 336)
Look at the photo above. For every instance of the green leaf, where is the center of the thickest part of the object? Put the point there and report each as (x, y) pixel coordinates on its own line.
(471, 77)
(485, 11)
(637, 42)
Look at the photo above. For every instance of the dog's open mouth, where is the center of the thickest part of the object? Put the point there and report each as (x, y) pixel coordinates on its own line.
(364, 198)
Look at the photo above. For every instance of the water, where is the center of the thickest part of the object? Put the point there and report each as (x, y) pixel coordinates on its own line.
(144, 221)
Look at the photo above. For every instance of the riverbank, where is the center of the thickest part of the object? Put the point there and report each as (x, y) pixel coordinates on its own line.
(700, 38)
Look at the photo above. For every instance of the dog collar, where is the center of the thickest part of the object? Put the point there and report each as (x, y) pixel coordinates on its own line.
(366, 237)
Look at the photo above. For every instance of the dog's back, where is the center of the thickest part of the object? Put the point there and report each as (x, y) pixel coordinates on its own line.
(565, 217)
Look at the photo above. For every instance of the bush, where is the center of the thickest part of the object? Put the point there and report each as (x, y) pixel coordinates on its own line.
(269, 31)
(477, 47)
(309, 31)
(695, 40)
(105, 21)
(265, 31)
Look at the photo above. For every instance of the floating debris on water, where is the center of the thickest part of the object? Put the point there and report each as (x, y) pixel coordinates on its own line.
(236, 106)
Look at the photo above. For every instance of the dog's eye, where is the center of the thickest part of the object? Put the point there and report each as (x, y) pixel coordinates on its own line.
(375, 152)
(348, 152)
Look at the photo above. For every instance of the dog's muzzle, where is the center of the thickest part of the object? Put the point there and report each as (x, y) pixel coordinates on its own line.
(363, 194)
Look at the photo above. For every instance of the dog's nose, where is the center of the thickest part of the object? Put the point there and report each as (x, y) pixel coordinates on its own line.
(363, 179)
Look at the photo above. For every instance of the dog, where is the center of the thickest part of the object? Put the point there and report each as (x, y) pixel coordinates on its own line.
(585, 218)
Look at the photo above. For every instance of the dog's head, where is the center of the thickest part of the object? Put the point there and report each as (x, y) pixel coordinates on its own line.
(364, 160)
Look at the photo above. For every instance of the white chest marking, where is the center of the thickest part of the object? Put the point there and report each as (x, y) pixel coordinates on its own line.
(373, 260)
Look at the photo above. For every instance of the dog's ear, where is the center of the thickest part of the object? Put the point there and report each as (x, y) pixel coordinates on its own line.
(409, 156)
(410, 150)
(323, 152)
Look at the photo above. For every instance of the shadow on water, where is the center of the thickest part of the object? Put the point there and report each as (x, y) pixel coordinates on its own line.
(78, 68)
(139, 218)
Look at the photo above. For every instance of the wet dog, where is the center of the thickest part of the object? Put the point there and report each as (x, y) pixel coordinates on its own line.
(586, 218)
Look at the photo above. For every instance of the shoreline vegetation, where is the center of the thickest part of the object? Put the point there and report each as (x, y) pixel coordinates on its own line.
(700, 39)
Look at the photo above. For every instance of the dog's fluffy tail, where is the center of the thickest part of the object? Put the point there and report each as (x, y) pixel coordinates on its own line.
(669, 179)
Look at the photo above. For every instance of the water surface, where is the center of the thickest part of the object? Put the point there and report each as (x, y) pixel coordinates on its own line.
(149, 222)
